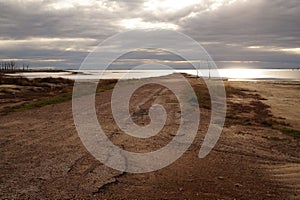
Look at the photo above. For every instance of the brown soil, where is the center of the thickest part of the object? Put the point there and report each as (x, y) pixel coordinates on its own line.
(42, 155)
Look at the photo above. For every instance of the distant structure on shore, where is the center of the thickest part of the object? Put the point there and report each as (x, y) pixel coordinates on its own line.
(13, 67)
(208, 67)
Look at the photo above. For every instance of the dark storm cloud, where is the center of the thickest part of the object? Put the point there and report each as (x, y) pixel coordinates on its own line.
(257, 33)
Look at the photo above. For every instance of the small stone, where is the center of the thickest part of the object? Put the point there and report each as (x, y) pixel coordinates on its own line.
(221, 178)
(238, 185)
(180, 189)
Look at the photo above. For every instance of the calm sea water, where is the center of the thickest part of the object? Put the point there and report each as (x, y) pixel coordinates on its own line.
(230, 74)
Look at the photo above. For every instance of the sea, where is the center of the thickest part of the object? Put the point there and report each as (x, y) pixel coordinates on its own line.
(227, 74)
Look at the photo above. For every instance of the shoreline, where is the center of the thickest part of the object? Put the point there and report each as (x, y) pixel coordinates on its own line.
(226, 74)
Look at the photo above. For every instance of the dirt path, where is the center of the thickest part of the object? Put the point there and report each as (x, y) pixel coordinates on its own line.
(43, 157)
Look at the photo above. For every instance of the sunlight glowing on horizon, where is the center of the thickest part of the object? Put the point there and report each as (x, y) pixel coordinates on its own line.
(239, 73)
(276, 49)
(292, 50)
(255, 47)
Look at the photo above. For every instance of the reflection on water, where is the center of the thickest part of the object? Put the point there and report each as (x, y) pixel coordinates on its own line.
(253, 74)
(231, 74)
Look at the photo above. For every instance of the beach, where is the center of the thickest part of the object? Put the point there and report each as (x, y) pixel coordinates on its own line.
(150, 100)
(283, 98)
(256, 157)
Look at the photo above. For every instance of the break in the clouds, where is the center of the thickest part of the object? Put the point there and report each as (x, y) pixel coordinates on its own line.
(236, 33)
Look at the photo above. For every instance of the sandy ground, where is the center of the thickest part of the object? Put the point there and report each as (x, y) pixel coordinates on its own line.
(283, 97)
(42, 156)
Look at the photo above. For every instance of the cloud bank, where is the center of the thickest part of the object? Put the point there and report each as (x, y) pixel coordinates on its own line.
(236, 33)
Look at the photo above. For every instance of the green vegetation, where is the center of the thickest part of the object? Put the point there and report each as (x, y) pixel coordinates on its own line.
(44, 102)
(105, 85)
(105, 88)
(52, 100)
(39, 82)
(291, 132)
(45, 91)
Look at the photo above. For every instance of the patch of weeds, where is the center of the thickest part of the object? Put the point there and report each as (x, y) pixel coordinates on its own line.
(283, 123)
(253, 113)
(262, 99)
(267, 122)
(105, 85)
(203, 96)
(231, 116)
(105, 88)
(291, 132)
(247, 121)
(44, 102)
(60, 98)
(232, 91)
(274, 138)
(36, 81)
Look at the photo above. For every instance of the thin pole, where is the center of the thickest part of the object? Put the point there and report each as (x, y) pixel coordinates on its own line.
(208, 69)
(198, 69)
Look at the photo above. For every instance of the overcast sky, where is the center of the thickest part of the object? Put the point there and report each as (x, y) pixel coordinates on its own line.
(236, 33)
